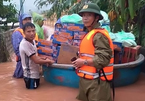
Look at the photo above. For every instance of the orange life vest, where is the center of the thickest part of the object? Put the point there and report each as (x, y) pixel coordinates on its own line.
(87, 52)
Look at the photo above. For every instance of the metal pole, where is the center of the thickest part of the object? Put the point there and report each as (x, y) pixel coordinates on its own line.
(21, 7)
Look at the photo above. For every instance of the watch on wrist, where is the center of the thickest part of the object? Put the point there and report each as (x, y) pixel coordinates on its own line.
(86, 62)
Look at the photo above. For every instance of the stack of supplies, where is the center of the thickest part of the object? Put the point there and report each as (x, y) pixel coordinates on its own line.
(46, 49)
(73, 26)
(125, 54)
(130, 54)
(56, 50)
(78, 32)
(118, 52)
(78, 36)
(62, 35)
(44, 43)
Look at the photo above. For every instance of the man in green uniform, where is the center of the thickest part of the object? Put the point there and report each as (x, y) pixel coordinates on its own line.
(94, 89)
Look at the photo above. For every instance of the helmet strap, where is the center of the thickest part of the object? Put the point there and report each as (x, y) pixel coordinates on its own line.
(93, 22)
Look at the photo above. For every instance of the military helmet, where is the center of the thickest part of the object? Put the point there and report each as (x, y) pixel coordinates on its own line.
(91, 7)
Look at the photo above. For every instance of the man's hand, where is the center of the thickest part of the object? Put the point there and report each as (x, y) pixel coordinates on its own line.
(78, 63)
(50, 62)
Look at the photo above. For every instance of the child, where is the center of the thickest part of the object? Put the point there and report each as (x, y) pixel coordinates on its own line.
(29, 58)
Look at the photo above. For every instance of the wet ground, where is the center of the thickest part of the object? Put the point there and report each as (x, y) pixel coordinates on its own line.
(12, 89)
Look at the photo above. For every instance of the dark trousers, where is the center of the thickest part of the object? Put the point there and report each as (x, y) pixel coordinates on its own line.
(31, 83)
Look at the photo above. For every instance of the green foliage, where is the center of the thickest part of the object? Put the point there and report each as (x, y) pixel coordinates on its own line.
(58, 6)
(103, 4)
(130, 17)
(140, 26)
(8, 12)
(67, 6)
